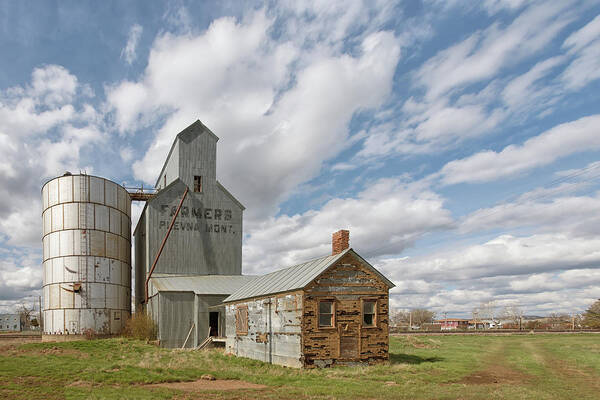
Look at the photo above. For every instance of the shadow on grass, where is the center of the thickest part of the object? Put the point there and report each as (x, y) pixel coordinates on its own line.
(412, 359)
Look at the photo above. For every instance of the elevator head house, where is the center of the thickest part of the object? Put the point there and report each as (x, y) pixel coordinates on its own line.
(200, 263)
(328, 311)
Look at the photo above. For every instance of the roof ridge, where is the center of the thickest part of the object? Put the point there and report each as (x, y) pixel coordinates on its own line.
(304, 262)
(286, 280)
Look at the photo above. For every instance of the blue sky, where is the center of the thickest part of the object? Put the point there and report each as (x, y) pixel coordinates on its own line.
(458, 141)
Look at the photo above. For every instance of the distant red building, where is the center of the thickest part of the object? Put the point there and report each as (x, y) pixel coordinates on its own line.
(453, 323)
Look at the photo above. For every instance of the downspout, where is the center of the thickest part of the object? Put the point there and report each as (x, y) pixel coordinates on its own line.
(270, 334)
(162, 245)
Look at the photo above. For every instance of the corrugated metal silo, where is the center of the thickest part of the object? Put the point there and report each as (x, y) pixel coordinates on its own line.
(86, 255)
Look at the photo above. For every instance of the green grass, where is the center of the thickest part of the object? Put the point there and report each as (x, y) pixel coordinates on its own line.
(420, 367)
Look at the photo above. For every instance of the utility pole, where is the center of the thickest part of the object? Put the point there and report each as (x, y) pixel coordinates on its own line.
(410, 320)
(40, 324)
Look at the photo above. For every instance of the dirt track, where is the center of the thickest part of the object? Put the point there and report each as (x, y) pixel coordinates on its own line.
(492, 333)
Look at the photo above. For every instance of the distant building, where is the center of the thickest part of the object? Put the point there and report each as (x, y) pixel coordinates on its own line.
(485, 324)
(10, 322)
(448, 324)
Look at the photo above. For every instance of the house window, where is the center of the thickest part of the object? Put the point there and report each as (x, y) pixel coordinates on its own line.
(241, 320)
(197, 184)
(369, 311)
(326, 314)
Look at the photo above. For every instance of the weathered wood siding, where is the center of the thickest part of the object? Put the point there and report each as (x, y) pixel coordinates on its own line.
(346, 284)
(274, 334)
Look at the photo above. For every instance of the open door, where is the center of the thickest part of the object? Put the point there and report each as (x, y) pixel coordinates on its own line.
(213, 321)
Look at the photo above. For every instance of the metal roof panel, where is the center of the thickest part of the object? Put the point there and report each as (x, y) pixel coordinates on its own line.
(200, 284)
(284, 280)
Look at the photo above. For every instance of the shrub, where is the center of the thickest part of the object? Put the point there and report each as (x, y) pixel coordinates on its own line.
(591, 318)
(89, 334)
(140, 326)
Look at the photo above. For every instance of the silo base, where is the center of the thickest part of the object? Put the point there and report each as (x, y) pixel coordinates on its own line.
(72, 338)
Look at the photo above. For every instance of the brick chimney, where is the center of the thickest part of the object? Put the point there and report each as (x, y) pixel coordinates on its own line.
(340, 241)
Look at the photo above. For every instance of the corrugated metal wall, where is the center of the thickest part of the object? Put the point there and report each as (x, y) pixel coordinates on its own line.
(171, 170)
(204, 305)
(197, 245)
(176, 317)
(86, 241)
(274, 330)
(207, 236)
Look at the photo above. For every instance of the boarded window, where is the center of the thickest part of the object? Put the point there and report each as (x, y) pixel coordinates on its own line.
(369, 311)
(241, 320)
(197, 184)
(325, 314)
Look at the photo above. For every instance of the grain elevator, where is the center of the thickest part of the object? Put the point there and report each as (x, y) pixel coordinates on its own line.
(188, 244)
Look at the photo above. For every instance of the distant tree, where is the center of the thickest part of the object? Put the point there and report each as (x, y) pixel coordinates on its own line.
(512, 313)
(421, 316)
(399, 317)
(534, 324)
(485, 311)
(578, 320)
(559, 321)
(418, 317)
(591, 318)
(25, 314)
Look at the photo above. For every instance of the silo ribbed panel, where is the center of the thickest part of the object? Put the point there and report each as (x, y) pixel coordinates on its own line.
(86, 255)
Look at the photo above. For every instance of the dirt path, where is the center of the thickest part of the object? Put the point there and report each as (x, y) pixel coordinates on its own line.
(564, 370)
(497, 370)
(225, 384)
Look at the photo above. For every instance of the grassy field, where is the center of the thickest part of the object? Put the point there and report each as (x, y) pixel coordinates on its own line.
(421, 367)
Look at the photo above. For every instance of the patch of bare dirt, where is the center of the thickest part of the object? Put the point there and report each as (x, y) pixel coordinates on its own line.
(81, 384)
(496, 374)
(420, 343)
(60, 351)
(203, 384)
(13, 348)
(8, 345)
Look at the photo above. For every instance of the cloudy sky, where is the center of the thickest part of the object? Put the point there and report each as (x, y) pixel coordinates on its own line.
(459, 141)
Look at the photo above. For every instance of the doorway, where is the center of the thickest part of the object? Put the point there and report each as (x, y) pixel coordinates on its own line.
(349, 342)
(213, 322)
